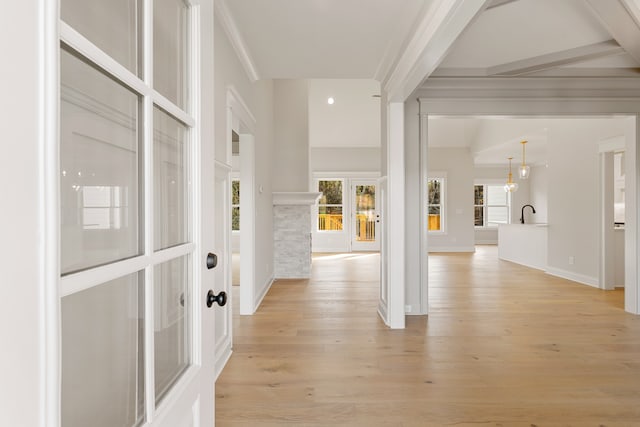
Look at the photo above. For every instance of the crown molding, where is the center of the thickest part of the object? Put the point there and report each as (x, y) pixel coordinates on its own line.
(236, 40)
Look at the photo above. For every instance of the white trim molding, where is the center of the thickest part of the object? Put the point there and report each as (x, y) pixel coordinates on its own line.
(236, 40)
(574, 277)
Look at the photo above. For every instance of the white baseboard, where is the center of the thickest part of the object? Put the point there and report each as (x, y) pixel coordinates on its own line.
(223, 354)
(263, 293)
(486, 241)
(575, 277)
(452, 249)
(382, 311)
(526, 264)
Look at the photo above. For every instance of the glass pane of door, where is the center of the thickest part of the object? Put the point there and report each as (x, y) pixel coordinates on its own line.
(100, 167)
(97, 19)
(365, 213)
(102, 355)
(170, 59)
(171, 168)
(172, 327)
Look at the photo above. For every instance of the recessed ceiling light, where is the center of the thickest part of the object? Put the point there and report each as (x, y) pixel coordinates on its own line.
(330, 101)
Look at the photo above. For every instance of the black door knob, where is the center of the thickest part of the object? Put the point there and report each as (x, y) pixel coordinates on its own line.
(221, 298)
(212, 260)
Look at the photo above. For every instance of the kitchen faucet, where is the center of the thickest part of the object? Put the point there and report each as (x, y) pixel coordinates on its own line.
(522, 212)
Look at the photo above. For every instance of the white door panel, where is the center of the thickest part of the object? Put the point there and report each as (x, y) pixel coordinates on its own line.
(137, 325)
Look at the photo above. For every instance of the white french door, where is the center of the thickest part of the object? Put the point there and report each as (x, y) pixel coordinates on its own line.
(365, 215)
(136, 331)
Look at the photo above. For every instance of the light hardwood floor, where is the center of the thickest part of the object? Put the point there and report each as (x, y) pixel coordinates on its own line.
(503, 345)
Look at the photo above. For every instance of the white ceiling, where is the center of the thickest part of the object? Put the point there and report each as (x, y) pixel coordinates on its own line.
(322, 38)
(354, 118)
(545, 37)
(361, 39)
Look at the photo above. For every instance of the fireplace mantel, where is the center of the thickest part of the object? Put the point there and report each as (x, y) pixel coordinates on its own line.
(295, 198)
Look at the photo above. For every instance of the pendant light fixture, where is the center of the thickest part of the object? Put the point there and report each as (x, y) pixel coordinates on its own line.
(510, 186)
(523, 170)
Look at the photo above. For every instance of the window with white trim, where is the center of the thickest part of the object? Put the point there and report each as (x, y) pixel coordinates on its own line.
(435, 204)
(491, 205)
(235, 205)
(330, 204)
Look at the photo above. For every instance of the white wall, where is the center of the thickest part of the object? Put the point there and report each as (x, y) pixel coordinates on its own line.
(459, 214)
(347, 159)
(351, 121)
(291, 149)
(264, 177)
(259, 98)
(573, 211)
(539, 192)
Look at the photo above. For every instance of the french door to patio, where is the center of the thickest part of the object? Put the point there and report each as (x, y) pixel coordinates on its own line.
(365, 216)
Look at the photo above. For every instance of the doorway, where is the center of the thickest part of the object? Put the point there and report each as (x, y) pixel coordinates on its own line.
(241, 155)
(566, 222)
(613, 165)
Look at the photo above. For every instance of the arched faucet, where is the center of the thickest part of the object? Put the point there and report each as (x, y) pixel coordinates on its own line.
(522, 212)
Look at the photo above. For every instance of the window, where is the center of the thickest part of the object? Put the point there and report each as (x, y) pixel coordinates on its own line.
(435, 204)
(330, 205)
(235, 205)
(491, 205)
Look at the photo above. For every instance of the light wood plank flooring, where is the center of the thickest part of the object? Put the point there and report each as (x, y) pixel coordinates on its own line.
(504, 345)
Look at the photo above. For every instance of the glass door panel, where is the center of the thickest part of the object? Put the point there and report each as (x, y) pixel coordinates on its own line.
(100, 168)
(365, 217)
(171, 172)
(171, 327)
(97, 19)
(365, 213)
(170, 53)
(102, 355)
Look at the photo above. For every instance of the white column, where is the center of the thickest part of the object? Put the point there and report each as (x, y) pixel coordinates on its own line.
(632, 219)
(424, 247)
(395, 216)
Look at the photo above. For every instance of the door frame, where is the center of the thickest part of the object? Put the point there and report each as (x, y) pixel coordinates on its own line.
(606, 150)
(239, 114)
(571, 105)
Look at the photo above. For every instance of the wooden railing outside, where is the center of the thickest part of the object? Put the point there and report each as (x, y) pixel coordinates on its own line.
(365, 229)
(434, 223)
(330, 222)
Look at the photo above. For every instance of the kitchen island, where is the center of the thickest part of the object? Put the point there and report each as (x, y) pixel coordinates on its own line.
(524, 244)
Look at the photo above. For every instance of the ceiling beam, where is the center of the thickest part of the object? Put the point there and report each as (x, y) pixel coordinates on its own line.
(236, 40)
(436, 32)
(618, 17)
(557, 59)
(498, 3)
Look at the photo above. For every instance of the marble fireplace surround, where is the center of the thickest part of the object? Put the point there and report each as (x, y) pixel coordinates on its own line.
(292, 234)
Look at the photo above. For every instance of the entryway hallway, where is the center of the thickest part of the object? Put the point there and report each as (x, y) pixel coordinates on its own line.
(504, 345)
